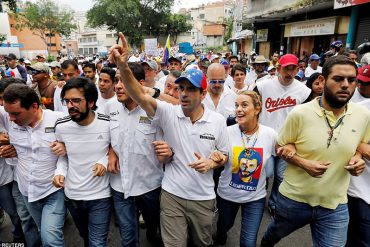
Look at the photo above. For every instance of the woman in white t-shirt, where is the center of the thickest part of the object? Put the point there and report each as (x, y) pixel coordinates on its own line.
(243, 181)
(238, 74)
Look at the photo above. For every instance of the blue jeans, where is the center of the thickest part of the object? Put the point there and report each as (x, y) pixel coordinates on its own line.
(92, 220)
(252, 213)
(126, 211)
(49, 215)
(8, 204)
(328, 226)
(31, 233)
(279, 169)
(359, 223)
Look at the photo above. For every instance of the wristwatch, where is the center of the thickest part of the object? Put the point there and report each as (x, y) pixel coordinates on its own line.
(157, 92)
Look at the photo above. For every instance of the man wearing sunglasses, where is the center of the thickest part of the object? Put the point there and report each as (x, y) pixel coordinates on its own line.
(43, 85)
(219, 98)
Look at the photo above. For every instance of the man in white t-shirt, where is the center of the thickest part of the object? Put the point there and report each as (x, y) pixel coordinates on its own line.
(279, 96)
(359, 187)
(194, 132)
(106, 88)
(19, 71)
(69, 70)
(87, 138)
(219, 98)
(313, 66)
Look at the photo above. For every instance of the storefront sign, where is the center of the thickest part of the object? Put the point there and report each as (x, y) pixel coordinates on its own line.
(347, 3)
(313, 28)
(262, 35)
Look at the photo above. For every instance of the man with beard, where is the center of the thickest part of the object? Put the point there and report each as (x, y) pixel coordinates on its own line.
(258, 71)
(86, 137)
(326, 132)
(106, 88)
(194, 132)
(280, 95)
(219, 98)
(136, 179)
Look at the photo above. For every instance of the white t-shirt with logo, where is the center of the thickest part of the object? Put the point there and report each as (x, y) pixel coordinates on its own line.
(309, 71)
(359, 187)
(244, 179)
(278, 100)
(205, 136)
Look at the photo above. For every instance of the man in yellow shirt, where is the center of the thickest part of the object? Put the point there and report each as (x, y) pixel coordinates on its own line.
(326, 133)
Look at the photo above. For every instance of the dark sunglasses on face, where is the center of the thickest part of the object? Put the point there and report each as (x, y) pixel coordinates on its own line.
(36, 72)
(217, 81)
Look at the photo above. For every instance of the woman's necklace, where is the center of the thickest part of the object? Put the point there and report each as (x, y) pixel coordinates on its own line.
(248, 150)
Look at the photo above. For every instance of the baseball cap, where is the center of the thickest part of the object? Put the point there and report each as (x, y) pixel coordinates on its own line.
(151, 63)
(365, 60)
(174, 58)
(41, 55)
(195, 77)
(40, 67)
(11, 56)
(270, 68)
(288, 59)
(27, 61)
(364, 73)
(214, 56)
(336, 44)
(55, 64)
(314, 57)
(224, 62)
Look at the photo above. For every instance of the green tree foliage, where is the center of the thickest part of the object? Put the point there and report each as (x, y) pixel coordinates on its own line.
(176, 24)
(45, 19)
(135, 18)
(229, 30)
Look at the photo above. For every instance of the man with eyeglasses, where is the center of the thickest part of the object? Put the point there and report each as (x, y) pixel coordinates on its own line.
(279, 96)
(86, 136)
(258, 71)
(326, 133)
(194, 132)
(313, 66)
(219, 98)
(31, 132)
(43, 85)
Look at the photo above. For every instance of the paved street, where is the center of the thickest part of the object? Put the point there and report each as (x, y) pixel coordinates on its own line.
(300, 238)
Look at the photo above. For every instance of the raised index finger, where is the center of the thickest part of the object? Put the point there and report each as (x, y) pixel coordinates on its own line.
(123, 40)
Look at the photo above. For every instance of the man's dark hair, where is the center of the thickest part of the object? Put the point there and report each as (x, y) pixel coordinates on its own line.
(137, 70)
(302, 61)
(5, 82)
(89, 89)
(353, 52)
(89, 65)
(23, 93)
(68, 63)
(233, 57)
(111, 72)
(336, 60)
(236, 67)
(175, 73)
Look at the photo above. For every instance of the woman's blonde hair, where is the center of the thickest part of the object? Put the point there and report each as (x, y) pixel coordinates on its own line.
(256, 99)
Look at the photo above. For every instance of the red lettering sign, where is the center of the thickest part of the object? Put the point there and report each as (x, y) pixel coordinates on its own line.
(274, 105)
